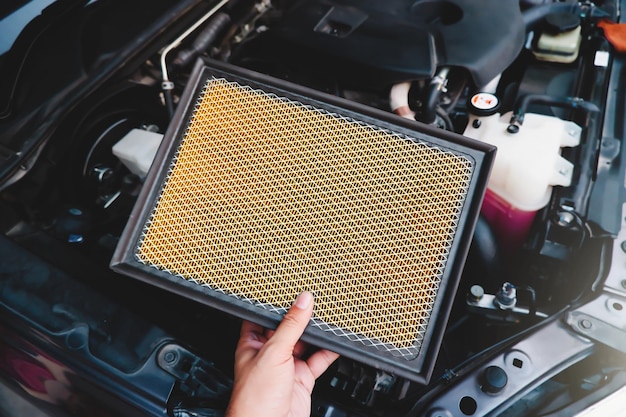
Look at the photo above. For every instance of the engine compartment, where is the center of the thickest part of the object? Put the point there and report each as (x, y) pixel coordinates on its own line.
(532, 75)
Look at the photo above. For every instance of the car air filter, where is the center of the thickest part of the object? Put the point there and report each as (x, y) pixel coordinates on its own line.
(263, 189)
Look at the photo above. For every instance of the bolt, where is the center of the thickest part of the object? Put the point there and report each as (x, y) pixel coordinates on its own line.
(513, 129)
(506, 298)
(75, 238)
(624, 284)
(585, 324)
(476, 293)
(476, 123)
(439, 412)
(572, 133)
(623, 246)
(75, 212)
(565, 219)
(150, 128)
(170, 357)
(102, 174)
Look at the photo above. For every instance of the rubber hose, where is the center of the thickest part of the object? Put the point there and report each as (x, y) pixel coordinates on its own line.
(521, 106)
(485, 255)
(535, 15)
(204, 40)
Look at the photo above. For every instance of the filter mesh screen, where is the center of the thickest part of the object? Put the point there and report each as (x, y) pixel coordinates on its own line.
(267, 197)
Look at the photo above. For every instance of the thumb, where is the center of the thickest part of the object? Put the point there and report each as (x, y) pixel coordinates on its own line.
(293, 324)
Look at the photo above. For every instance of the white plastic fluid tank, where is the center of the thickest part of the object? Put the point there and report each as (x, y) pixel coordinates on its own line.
(137, 150)
(527, 165)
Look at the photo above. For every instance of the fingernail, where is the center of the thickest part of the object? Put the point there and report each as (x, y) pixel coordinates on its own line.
(304, 300)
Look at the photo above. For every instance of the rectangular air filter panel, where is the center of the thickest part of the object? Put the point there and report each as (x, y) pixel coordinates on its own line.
(264, 189)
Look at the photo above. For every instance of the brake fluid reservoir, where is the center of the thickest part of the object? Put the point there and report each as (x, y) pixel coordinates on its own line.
(137, 150)
(560, 40)
(561, 47)
(527, 165)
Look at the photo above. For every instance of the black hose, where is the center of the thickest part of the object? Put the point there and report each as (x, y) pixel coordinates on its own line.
(521, 106)
(535, 15)
(485, 257)
(429, 110)
(525, 4)
(204, 40)
(532, 309)
(169, 102)
(445, 117)
(431, 102)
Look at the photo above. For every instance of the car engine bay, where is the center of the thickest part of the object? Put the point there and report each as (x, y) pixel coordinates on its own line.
(89, 88)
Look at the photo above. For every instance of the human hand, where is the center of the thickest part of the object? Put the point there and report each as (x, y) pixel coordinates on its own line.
(271, 378)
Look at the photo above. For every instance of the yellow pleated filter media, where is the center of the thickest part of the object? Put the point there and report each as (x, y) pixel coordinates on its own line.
(267, 197)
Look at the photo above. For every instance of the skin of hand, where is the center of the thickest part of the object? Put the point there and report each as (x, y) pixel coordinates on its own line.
(271, 377)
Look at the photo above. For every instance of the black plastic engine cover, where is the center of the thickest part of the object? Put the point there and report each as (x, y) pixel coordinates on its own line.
(388, 41)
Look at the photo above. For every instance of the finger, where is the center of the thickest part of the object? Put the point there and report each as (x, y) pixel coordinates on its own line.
(249, 329)
(251, 335)
(300, 349)
(293, 324)
(251, 340)
(320, 361)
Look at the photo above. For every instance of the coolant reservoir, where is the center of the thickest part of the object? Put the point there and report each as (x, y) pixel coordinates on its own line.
(527, 165)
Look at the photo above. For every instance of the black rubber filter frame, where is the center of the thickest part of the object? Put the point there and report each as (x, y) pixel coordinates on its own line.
(262, 189)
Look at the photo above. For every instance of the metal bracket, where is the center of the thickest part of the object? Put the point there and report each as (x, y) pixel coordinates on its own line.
(616, 280)
(492, 307)
(604, 318)
(198, 377)
(507, 376)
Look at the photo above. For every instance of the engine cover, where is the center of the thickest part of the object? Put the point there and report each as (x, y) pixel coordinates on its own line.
(384, 42)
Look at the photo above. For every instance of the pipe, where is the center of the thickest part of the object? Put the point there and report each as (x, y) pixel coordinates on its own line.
(445, 117)
(399, 100)
(166, 84)
(485, 255)
(535, 15)
(169, 99)
(204, 40)
(521, 106)
(429, 109)
(525, 4)
(532, 302)
(492, 86)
